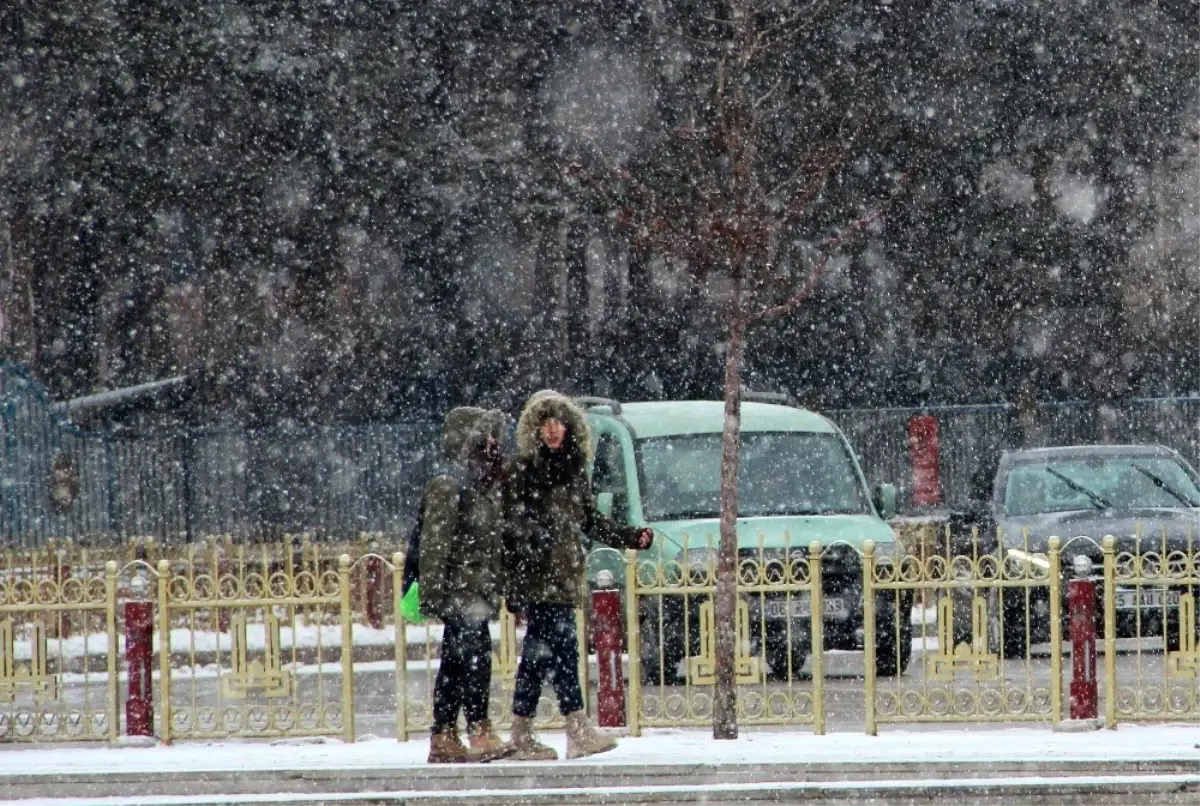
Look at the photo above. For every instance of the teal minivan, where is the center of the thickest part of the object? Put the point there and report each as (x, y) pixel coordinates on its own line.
(658, 464)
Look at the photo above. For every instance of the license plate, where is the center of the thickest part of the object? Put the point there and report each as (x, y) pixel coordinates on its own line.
(1146, 598)
(800, 606)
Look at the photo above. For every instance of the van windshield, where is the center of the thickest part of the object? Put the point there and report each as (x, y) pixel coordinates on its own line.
(780, 473)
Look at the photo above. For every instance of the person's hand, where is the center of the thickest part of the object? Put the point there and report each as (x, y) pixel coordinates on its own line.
(645, 539)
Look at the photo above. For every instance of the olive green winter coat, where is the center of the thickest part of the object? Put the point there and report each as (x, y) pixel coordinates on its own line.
(551, 516)
(462, 524)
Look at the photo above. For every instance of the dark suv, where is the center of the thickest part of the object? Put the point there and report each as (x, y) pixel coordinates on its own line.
(1145, 496)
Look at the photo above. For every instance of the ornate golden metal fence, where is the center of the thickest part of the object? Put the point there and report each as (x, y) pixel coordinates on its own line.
(286, 640)
(978, 666)
(281, 664)
(1150, 605)
(672, 631)
(58, 655)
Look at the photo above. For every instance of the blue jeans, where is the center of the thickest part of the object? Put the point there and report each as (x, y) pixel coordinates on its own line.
(550, 653)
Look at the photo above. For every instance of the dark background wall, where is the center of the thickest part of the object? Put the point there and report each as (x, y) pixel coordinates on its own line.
(341, 212)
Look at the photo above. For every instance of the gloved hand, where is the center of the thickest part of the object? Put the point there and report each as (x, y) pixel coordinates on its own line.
(645, 539)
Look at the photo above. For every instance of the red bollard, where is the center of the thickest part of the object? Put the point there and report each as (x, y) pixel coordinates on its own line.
(606, 636)
(1081, 605)
(374, 603)
(139, 652)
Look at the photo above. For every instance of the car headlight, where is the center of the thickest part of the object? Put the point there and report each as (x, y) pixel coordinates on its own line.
(1029, 558)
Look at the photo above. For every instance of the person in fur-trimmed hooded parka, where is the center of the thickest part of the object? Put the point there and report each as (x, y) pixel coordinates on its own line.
(462, 546)
(550, 512)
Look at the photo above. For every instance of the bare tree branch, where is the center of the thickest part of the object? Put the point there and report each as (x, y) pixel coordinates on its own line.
(827, 250)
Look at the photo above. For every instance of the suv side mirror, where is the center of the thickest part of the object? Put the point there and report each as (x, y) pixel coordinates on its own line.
(604, 504)
(885, 501)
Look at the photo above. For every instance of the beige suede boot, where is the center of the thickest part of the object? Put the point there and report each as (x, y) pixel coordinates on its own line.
(524, 743)
(583, 739)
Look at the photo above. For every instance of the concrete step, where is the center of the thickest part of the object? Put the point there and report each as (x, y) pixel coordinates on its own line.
(1063, 791)
(574, 782)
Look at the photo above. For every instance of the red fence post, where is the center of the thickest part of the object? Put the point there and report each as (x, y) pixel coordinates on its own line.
(374, 598)
(607, 638)
(139, 652)
(1081, 606)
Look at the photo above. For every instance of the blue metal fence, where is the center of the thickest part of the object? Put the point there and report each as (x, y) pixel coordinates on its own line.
(340, 480)
(971, 437)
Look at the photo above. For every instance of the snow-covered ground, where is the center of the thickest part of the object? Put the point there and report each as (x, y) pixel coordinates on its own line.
(1129, 743)
(307, 636)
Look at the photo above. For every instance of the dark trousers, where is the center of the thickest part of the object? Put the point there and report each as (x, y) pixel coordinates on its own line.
(465, 675)
(550, 652)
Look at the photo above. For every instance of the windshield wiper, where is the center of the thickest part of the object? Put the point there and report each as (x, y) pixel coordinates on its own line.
(1098, 501)
(1167, 488)
(684, 513)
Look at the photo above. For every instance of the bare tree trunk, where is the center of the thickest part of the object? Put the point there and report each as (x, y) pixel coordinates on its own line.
(725, 724)
(547, 283)
(578, 334)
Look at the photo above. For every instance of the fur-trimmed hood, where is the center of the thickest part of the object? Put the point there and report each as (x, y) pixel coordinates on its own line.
(542, 406)
(464, 425)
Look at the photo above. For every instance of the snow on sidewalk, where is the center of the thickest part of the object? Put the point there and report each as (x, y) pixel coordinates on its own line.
(1128, 744)
(304, 636)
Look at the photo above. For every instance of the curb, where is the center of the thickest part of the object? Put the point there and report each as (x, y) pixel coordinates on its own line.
(1097, 790)
(454, 783)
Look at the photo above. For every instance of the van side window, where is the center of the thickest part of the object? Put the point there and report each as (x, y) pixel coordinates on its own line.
(608, 475)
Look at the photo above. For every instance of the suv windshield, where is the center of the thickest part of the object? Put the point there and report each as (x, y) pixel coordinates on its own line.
(780, 473)
(1108, 482)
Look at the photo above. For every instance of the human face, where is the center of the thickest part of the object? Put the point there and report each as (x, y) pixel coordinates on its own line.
(552, 433)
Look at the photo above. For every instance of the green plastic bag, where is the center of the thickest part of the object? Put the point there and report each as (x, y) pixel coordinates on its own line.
(410, 604)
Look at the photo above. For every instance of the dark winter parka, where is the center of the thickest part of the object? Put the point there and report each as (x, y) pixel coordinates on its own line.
(550, 509)
(462, 540)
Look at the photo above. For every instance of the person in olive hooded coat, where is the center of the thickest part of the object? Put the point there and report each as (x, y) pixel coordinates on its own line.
(460, 562)
(551, 514)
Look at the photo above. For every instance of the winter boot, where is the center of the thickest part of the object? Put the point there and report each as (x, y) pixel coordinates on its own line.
(524, 743)
(485, 744)
(585, 740)
(446, 748)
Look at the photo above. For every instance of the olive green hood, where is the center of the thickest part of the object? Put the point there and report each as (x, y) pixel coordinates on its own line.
(543, 406)
(465, 425)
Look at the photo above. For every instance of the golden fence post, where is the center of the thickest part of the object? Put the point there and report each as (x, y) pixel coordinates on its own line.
(633, 644)
(164, 646)
(1056, 638)
(110, 624)
(817, 598)
(347, 649)
(869, 636)
(1110, 631)
(401, 648)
